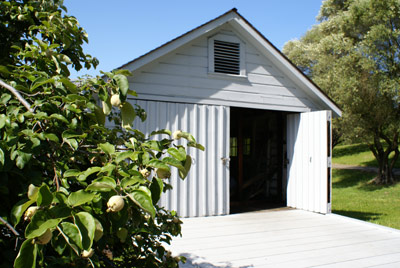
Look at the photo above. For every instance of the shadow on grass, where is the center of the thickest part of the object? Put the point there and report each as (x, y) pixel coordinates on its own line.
(364, 216)
(344, 178)
(350, 150)
(369, 186)
(193, 261)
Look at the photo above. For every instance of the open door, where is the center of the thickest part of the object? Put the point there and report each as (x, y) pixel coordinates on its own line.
(309, 161)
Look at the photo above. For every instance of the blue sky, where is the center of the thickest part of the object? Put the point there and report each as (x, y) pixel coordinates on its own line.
(122, 30)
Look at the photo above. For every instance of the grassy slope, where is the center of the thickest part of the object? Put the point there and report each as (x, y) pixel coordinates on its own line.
(353, 196)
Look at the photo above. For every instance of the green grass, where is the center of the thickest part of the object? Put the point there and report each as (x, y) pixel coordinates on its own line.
(355, 155)
(355, 197)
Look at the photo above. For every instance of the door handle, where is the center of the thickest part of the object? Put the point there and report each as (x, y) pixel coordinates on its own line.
(225, 160)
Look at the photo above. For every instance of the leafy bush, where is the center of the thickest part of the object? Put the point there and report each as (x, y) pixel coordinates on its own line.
(74, 192)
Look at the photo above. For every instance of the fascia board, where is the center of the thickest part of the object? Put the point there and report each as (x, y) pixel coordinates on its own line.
(282, 63)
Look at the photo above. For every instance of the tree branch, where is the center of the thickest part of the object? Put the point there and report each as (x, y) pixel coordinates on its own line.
(9, 226)
(16, 94)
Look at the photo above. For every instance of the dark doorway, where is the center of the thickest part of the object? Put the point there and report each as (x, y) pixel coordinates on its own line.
(256, 153)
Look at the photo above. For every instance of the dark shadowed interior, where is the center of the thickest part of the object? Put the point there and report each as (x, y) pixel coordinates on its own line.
(257, 145)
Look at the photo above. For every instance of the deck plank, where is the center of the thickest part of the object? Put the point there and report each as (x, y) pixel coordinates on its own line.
(288, 238)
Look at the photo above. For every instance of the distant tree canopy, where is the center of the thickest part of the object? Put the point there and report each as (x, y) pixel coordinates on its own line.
(353, 54)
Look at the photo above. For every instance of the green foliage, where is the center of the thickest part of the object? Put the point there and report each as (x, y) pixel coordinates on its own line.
(60, 165)
(354, 56)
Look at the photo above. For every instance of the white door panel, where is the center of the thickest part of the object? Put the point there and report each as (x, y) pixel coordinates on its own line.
(308, 152)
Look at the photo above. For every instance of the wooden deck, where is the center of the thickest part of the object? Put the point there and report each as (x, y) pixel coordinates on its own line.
(286, 238)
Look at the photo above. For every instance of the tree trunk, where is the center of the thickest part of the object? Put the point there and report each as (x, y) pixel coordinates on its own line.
(385, 173)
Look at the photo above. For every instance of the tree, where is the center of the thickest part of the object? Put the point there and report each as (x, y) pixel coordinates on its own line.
(353, 55)
(74, 192)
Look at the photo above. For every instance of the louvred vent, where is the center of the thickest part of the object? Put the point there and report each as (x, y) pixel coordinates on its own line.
(226, 57)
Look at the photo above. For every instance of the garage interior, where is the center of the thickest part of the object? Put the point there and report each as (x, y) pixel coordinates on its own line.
(257, 153)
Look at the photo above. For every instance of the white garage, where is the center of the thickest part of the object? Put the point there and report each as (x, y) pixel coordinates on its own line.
(266, 126)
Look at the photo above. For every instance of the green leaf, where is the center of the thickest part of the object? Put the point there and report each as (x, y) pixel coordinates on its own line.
(107, 107)
(124, 155)
(161, 131)
(179, 153)
(72, 142)
(103, 94)
(188, 164)
(41, 81)
(51, 136)
(126, 182)
(108, 168)
(88, 172)
(59, 117)
(142, 198)
(22, 159)
(39, 224)
(103, 184)
(3, 119)
(60, 211)
(4, 99)
(26, 257)
(132, 93)
(108, 148)
(33, 192)
(75, 98)
(69, 85)
(189, 137)
(67, 134)
(196, 145)
(44, 196)
(158, 164)
(123, 84)
(173, 162)
(1, 156)
(87, 226)
(59, 244)
(73, 234)
(18, 210)
(4, 70)
(128, 114)
(100, 116)
(154, 145)
(80, 197)
(72, 173)
(156, 189)
(123, 72)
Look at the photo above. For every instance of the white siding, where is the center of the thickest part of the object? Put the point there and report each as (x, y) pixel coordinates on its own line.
(308, 173)
(205, 191)
(182, 76)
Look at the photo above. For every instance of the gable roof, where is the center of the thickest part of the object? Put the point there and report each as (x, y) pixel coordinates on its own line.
(247, 30)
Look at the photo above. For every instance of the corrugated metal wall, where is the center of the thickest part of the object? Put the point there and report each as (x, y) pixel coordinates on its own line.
(308, 169)
(205, 191)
